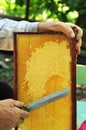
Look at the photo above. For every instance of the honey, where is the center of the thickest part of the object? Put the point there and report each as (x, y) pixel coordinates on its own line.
(43, 67)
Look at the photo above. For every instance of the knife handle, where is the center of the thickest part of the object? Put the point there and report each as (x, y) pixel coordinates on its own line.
(25, 108)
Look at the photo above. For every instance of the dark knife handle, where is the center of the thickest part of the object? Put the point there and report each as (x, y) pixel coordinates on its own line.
(25, 108)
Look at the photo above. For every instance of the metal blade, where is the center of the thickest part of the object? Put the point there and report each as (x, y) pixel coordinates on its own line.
(46, 100)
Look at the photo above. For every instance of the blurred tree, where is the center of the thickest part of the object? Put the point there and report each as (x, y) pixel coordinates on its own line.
(64, 10)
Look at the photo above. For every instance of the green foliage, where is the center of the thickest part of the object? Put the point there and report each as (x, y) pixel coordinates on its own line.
(44, 10)
(41, 10)
(64, 10)
(20, 2)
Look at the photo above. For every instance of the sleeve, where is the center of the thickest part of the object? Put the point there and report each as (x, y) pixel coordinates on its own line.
(7, 27)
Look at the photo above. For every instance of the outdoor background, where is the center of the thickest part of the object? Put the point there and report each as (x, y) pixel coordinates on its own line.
(43, 10)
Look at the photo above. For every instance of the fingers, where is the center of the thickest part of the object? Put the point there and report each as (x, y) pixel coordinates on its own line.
(12, 112)
(18, 104)
(77, 30)
(73, 31)
(78, 35)
(69, 29)
(78, 45)
(69, 32)
(21, 115)
(21, 120)
(24, 114)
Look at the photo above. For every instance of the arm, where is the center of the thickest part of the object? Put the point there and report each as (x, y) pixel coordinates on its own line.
(10, 114)
(69, 29)
(9, 26)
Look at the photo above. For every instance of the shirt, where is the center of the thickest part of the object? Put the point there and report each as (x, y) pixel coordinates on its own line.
(8, 27)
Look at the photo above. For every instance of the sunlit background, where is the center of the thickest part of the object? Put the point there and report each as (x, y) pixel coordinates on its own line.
(45, 10)
(65, 10)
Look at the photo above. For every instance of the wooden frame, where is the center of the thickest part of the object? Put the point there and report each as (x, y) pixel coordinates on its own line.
(27, 46)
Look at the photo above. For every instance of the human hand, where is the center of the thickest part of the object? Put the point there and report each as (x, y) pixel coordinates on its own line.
(11, 114)
(69, 29)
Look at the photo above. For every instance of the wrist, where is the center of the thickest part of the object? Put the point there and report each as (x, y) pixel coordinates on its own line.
(42, 27)
(50, 26)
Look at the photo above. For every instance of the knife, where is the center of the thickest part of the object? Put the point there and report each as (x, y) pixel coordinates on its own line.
(46, 100)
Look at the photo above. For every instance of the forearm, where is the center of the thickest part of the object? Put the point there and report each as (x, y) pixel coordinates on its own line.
(50, 26)
(8, 27)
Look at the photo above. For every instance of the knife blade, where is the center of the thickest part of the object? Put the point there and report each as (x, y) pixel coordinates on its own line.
(46, 100)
